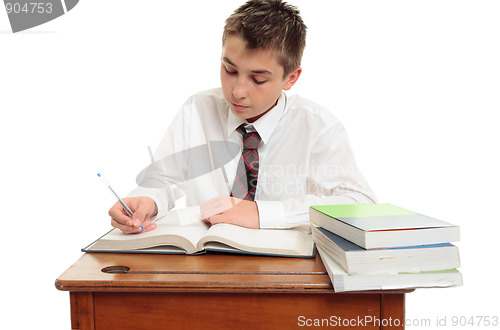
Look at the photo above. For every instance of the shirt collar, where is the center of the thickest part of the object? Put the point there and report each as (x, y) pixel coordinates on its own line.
(265, 125)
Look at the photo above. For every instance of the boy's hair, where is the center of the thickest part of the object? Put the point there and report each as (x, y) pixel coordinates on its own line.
(270, 24)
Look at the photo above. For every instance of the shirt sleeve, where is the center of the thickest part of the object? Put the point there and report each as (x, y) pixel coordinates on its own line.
(164, 186)
(333, 178)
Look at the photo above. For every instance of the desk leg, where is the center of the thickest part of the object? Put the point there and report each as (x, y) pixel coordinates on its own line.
(82, 310)
(392, 311)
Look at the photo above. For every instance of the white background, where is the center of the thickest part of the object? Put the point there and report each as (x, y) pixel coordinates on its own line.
(416, 83)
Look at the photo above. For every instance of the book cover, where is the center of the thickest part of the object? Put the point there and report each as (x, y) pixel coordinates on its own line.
(355, 259)
(378, 217)
(383, 225)
(343, 282)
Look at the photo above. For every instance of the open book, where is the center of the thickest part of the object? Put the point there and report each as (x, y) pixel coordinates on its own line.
(183, 232)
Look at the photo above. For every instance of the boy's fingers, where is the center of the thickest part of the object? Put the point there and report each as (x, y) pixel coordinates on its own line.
(218, 201)
(125, 229)
(217, 205)
(140, 221)
(117, 214)
(207, 208)
(206, 212)
(219, 218)
(140, 216)
(149, 227)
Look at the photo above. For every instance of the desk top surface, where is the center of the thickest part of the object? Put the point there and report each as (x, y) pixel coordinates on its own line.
(202, 273)
(205, 273)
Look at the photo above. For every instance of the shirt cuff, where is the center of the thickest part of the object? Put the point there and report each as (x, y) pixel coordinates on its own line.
(271, 214)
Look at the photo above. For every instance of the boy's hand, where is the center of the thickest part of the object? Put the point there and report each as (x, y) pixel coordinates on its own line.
(143, 209)
(225, 209)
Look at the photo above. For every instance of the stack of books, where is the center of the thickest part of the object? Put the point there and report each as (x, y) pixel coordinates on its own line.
(383, 247)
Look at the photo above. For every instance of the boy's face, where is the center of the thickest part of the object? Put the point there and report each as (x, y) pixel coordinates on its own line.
(252, 79)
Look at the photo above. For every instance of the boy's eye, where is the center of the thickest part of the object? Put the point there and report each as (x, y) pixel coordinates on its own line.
(256, 81)
(230, 72)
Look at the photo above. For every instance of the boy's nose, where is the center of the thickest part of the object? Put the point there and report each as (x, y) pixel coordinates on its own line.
(240, 89)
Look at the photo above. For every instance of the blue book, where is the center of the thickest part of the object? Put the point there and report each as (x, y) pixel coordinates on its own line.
(356, 260)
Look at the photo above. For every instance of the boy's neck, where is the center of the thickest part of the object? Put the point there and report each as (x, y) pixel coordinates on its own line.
(253, 119)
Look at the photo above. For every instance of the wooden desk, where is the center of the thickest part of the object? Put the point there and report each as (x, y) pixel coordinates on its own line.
(217, 291)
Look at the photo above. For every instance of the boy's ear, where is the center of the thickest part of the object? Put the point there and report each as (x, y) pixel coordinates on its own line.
(292, 78)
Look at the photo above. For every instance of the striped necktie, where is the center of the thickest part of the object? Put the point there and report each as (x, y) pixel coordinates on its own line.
(245, 182)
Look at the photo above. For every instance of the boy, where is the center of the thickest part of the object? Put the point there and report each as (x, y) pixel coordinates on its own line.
(294, 153)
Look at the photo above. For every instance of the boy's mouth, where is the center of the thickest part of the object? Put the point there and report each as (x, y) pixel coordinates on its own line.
(238, 106)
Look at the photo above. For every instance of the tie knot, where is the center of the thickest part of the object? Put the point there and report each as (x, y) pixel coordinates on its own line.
(251, 140)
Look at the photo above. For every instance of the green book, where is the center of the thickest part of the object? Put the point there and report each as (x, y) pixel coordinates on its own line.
(376, 226)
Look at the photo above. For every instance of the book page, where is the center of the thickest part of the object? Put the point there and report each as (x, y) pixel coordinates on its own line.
(182, 216)
(267, 241)
(169, 231)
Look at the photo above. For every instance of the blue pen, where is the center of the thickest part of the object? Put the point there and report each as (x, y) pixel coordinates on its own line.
(116, 195)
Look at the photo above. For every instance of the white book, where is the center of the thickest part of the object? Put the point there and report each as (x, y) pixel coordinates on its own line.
(343, 282)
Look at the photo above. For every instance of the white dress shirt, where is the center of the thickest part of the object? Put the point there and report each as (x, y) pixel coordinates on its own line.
(304, 159)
